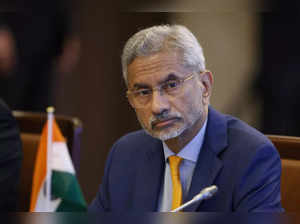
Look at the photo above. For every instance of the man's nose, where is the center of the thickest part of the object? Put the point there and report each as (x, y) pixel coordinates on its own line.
(160, 103)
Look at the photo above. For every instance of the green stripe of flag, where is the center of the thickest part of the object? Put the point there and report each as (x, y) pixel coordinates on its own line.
(66, 187)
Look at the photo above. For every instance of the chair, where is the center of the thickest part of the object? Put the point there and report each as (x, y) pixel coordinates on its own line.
(31, 125)
(289, 150)
(290, 181)
(287, 146)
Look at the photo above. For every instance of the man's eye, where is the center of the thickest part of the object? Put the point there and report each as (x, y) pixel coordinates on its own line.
(171, 85)
(143, 92)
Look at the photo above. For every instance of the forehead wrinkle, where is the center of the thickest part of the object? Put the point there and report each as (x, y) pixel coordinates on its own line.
(160, 64)
(153, 66)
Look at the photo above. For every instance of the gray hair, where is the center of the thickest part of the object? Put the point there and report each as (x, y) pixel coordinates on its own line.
(163, 38)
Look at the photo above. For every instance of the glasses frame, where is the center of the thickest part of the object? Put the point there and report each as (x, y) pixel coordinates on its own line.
(159, 87)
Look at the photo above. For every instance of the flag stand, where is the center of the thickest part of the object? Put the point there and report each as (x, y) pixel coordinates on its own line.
(50, 111)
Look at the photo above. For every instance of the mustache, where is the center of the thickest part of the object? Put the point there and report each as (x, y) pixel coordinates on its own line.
(163, 117)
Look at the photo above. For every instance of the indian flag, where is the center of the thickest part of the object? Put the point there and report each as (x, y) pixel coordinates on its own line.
(55, 187)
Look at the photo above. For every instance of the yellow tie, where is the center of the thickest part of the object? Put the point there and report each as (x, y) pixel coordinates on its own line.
(177, 190)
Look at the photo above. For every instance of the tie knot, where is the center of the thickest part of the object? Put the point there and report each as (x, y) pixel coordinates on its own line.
(175, 161)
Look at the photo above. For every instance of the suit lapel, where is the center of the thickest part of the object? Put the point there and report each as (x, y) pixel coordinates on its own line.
(148, 182)
(208, 164)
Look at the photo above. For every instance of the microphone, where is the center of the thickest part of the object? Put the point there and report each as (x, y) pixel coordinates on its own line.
(206, 193)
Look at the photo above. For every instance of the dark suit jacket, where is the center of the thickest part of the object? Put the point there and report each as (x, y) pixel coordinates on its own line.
(10, 159)
(241, 161)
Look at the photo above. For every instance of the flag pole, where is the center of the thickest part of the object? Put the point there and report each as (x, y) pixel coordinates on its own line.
(50, 111)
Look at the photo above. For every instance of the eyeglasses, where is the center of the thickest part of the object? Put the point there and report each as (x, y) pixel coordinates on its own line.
(141, 97)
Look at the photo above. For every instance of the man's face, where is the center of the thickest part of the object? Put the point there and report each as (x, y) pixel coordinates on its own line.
(169, 116)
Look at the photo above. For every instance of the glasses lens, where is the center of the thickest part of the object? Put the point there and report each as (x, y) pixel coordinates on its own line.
(172, 87)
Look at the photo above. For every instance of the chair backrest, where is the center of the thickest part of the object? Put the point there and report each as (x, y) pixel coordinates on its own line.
(31, 125)
(289, 150)
(287, 146)
(290, 182)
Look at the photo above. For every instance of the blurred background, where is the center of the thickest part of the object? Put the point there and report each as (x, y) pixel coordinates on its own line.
(67, 54)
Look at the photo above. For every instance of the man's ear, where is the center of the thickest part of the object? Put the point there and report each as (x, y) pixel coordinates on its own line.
(207, 81)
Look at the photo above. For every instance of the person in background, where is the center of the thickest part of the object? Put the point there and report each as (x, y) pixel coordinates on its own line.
(185, 144)
(10, 159)
(45, 46)
(7, 51)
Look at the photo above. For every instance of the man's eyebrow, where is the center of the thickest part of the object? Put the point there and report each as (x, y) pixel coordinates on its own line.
(171, 76)
(140, 86)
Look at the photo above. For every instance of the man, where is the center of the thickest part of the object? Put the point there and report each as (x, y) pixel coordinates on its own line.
(186, 145)
(10, 159)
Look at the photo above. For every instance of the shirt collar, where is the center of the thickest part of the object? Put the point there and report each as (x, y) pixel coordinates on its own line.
(191, 150)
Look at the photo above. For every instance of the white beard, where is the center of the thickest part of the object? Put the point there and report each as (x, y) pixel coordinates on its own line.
(165, 134)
